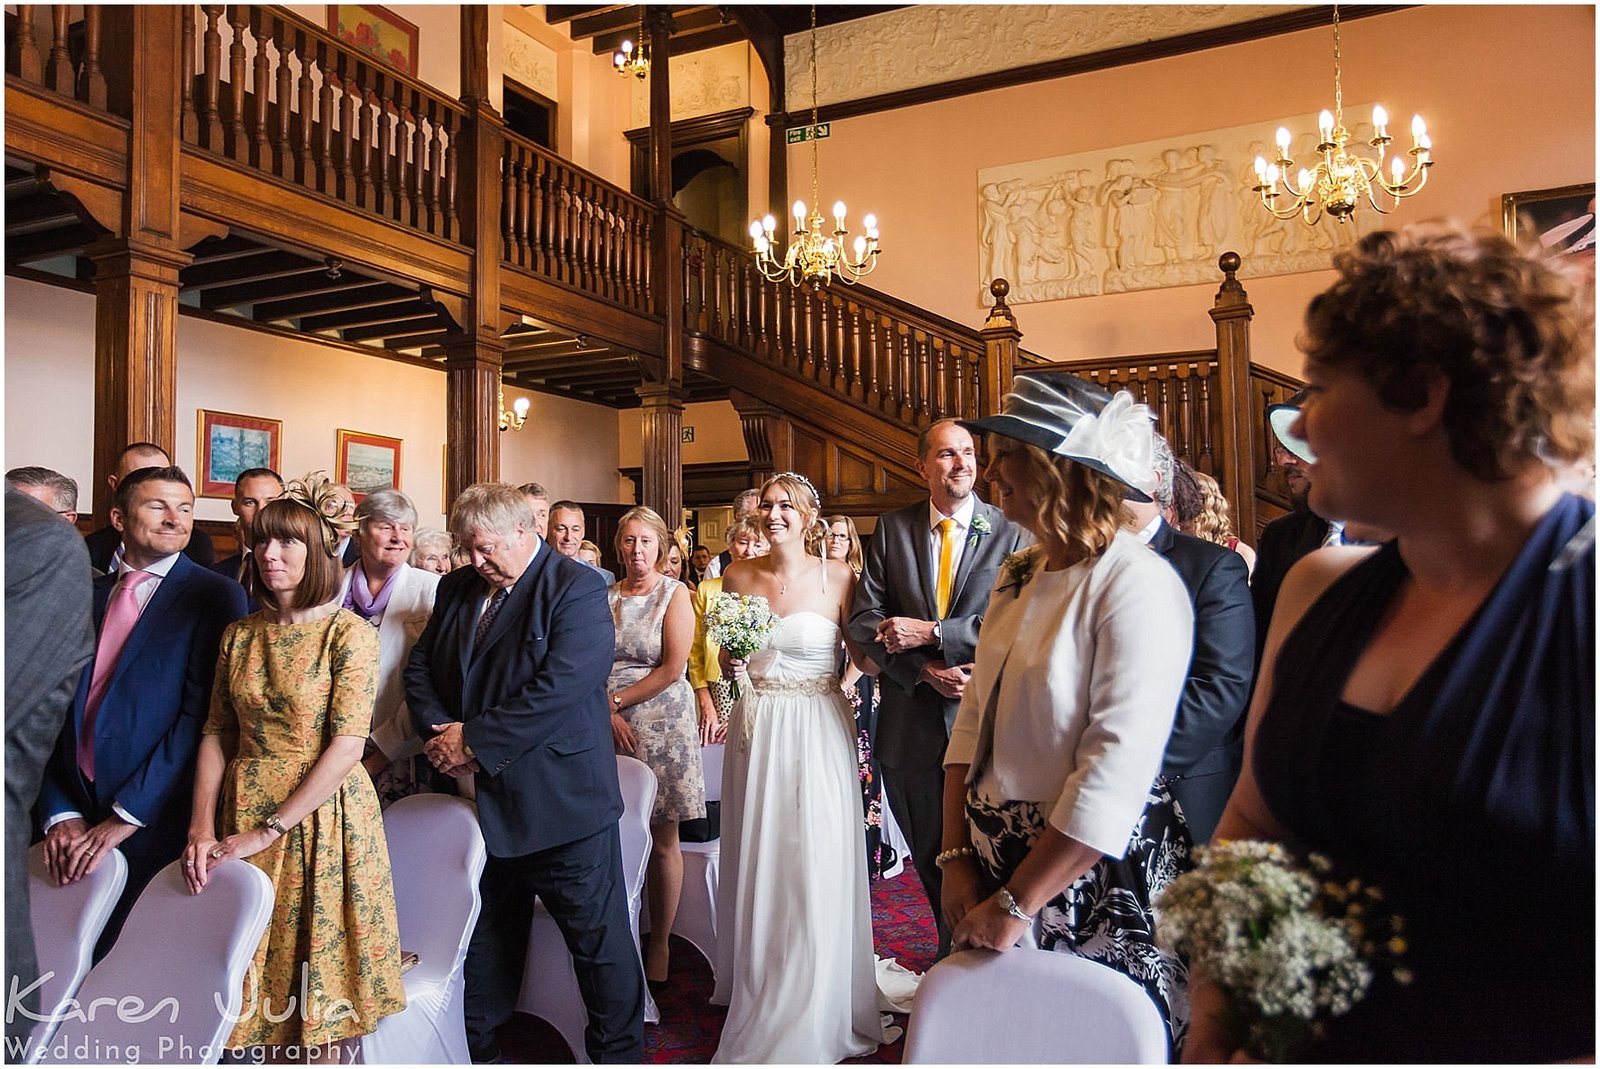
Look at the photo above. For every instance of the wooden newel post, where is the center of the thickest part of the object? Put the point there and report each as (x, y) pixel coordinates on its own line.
(1231, 312)
(1001, 342)
(661, 431)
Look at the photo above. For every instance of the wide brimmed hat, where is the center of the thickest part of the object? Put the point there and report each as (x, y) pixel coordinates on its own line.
(1077, 419)
(1281, 417)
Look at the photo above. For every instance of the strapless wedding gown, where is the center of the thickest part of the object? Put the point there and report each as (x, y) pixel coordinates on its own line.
(794, 950)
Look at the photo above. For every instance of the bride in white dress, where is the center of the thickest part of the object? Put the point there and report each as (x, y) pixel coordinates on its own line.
(795, 956)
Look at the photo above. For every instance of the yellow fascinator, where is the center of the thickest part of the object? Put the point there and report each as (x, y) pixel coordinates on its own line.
(314, 490)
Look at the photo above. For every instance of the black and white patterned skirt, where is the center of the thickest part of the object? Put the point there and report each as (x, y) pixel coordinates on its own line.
(1106, 914)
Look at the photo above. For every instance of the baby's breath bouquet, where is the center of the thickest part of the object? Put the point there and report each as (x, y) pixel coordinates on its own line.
(1288, 947)
(740, 624)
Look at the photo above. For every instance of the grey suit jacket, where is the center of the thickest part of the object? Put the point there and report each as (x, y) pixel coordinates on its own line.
(914, 720)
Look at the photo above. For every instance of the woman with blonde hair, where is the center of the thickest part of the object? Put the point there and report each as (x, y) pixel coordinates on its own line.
(653, 709)
(277, 780)
(1056, 829)
(1214, 522)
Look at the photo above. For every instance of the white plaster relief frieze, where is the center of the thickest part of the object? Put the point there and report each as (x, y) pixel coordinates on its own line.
(530, 62)
(1150, 215)
(703, 83)
(926, 44)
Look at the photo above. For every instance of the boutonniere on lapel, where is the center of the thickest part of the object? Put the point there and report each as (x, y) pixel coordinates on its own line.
(1019, 567)
(980, 527)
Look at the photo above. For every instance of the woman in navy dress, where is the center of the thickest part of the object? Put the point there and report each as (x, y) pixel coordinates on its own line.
(1425, 711)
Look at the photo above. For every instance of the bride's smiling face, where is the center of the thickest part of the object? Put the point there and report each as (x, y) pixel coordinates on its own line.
(781, 517)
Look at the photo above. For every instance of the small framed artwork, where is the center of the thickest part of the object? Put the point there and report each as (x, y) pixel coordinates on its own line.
(230, 443)
(377, 32)
(1560, 219)
(367, 462)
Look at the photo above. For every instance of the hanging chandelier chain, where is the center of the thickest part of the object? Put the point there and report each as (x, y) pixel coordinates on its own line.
(816, 204)
(1338, 73)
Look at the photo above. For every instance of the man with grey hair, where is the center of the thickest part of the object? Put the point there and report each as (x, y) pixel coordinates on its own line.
(539, 498)
(743, 505)
(508, 683)
(1205, 751)
(566, 535)
(51, 489)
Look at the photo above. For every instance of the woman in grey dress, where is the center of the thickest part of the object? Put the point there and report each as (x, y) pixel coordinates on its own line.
(653, 715)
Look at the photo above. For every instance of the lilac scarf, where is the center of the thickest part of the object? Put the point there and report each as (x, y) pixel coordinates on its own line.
(368, 606)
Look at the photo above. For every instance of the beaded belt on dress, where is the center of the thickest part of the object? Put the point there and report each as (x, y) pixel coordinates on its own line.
(817, 685)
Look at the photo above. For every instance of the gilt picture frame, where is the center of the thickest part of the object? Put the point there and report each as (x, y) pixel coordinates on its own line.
(230, 443)
(378, 32)
(1560, 218)
(366, 462)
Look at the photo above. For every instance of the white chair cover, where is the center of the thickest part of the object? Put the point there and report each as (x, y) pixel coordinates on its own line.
(549, 986)
(67, 922)
(702, 865)
(172, 987)
(437, 854)
(1031, 1006)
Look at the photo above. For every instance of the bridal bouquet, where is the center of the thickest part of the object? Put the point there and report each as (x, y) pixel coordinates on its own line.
(1288, 946)
(740, 624)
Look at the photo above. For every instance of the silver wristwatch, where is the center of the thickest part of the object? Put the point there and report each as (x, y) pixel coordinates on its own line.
(938, 634)
(1008, 902)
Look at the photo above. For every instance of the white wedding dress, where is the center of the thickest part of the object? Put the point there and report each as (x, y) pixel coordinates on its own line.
(795, 959)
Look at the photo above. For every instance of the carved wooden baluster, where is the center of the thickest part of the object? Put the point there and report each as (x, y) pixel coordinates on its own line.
(366, 154)
(305, 173)
(430, 185)
(189, 120)
(384, 201)
(451, 158)
(327, 170)
(28, 63)
(260, 154)
(93, 88)
(592, 238)
(539, 253)
(513, 176)
(238, 139)
(419, 159)
(404, 137)
(1205, 444)
(348, 144)
(283, 155)
(1185, 418)
(58, 69)
(582, 234)
(210, 120)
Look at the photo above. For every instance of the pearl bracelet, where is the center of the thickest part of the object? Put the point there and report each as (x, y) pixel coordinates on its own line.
(951, 854)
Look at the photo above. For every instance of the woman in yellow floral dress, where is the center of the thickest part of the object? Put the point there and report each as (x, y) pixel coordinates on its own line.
(279, 779)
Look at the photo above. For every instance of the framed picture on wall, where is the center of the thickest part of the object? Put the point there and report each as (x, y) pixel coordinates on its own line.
(377, 32)
(367, 462)
(230, 443)
(1559, 219)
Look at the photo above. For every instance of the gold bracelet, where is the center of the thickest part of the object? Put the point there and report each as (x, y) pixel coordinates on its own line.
(951, 854)
(276, 825)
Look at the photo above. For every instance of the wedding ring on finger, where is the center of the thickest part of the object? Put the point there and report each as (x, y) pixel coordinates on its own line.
(215, 854)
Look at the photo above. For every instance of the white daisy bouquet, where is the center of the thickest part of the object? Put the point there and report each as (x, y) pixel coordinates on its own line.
(740, 624)
(1288, 947)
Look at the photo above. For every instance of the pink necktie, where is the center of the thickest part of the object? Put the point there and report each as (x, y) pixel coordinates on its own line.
(121, 615)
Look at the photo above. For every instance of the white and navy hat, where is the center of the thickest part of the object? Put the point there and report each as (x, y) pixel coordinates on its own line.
(1281, 417)
(1077, 419)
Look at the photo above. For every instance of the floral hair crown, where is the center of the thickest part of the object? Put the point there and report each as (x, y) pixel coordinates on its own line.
(314, 490)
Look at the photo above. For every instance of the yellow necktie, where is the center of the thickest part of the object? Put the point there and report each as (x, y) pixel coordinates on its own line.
(947, 552)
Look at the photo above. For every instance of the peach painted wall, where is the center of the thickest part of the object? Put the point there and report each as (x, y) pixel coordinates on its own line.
(568, 445)
(438, 39)
(1508, 93)
(718, 435)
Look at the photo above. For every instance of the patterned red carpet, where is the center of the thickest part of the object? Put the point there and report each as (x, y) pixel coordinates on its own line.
(690, 1026)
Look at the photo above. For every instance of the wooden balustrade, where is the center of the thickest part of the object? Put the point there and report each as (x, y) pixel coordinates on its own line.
(68, 63)
(563, 223)
(1268, 387)
(901, 362)
(291, 100)
(1181, 390)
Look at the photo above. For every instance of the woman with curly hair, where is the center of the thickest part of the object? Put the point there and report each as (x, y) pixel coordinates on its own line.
(1055, 829)
(278, 783)
(1214, 520)
(1425, 711)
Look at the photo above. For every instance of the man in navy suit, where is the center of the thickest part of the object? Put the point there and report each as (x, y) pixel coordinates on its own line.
(1205, 751)
(507, 682)
(253, 488)
(122, 773)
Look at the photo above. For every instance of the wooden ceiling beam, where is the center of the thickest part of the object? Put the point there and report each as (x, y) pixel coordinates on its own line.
(555, 14)
(686, 22)
(48, 245)
(427, 325)
(366, 295)
(606, 20)
(276, 289)
(269, 264)
(388, 312)
(413, 341)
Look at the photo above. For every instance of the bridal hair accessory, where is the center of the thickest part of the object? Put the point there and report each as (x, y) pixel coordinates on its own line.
(802, 480)
(1048, 408)
(314, 490)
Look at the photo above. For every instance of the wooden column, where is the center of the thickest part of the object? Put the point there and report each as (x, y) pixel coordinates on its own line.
(662, 420)
(136, 272)
(473, 358)
(1231, 312)
(766, 435)
(661, 427)
(1001, 341)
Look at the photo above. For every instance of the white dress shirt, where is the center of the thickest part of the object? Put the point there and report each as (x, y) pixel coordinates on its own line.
(963, 528)
(1094, 659)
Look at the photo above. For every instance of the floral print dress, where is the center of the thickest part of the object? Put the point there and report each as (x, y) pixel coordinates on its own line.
(328, 967)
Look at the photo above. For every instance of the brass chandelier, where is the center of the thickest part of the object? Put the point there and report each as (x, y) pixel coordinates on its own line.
(629, 60)
(1343, 177)
(815, 258)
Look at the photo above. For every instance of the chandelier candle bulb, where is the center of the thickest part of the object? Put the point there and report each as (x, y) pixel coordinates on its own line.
(1325, 125)
(1380, 121)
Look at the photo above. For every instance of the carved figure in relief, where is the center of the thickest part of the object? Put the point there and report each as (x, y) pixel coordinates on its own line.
(995, 237)
(1172, 206)
(1211, 183)
(1115, 193)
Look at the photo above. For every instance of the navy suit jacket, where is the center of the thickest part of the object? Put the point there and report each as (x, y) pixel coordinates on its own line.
(532, 700)
(1205, 750)
(148, 729)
